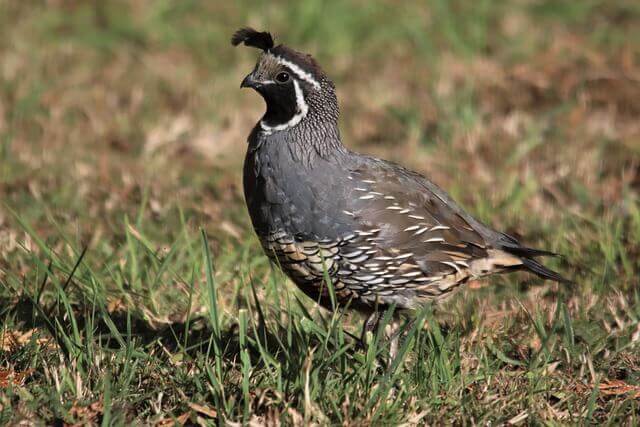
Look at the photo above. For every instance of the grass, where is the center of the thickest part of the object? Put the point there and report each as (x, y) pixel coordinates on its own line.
(132, 288)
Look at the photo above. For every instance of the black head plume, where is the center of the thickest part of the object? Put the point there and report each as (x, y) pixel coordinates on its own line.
(250, 37)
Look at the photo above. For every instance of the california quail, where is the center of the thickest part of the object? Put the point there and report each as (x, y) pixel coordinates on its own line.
(386, 236)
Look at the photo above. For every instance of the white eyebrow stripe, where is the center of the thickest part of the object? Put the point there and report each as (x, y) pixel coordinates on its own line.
(307, 77)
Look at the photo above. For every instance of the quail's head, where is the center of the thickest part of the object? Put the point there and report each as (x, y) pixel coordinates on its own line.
(291, 83)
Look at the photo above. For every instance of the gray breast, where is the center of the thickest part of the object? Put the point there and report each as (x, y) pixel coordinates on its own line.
(292, 190)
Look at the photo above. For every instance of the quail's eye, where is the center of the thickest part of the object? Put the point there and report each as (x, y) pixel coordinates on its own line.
(282, 77)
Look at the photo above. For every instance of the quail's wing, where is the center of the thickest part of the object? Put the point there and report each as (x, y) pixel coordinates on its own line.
(412, 231)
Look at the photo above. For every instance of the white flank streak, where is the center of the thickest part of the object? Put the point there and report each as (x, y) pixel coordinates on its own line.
(367, 197)
(412, 228)
(434, 240)
(352, 254)
(412, 274)
(307, 77)
(422, 230)
(439, 227)
(452, 264)
(416, 216)
(303, 109)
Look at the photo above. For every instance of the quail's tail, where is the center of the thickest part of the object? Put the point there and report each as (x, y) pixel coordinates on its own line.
(525, 252)
(535, 267)
(527, 255)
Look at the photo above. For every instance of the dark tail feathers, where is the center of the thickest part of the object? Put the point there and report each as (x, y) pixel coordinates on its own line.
(535, 267)
(511, 245)
(528, 252)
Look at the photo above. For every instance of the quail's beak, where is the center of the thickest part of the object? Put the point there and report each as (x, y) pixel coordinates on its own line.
(251, 82)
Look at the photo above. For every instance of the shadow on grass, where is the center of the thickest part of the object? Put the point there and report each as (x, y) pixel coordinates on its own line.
(75, 325)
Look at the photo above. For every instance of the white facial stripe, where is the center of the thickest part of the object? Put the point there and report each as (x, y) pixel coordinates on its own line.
(300, 102)
(303, 75)
(303, 109)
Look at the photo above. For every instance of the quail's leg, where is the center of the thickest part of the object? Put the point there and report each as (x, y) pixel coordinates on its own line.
(370, 325)
(395, 332)
(392, 333)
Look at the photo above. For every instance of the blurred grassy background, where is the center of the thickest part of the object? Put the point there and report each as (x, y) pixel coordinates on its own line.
(122, 130)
